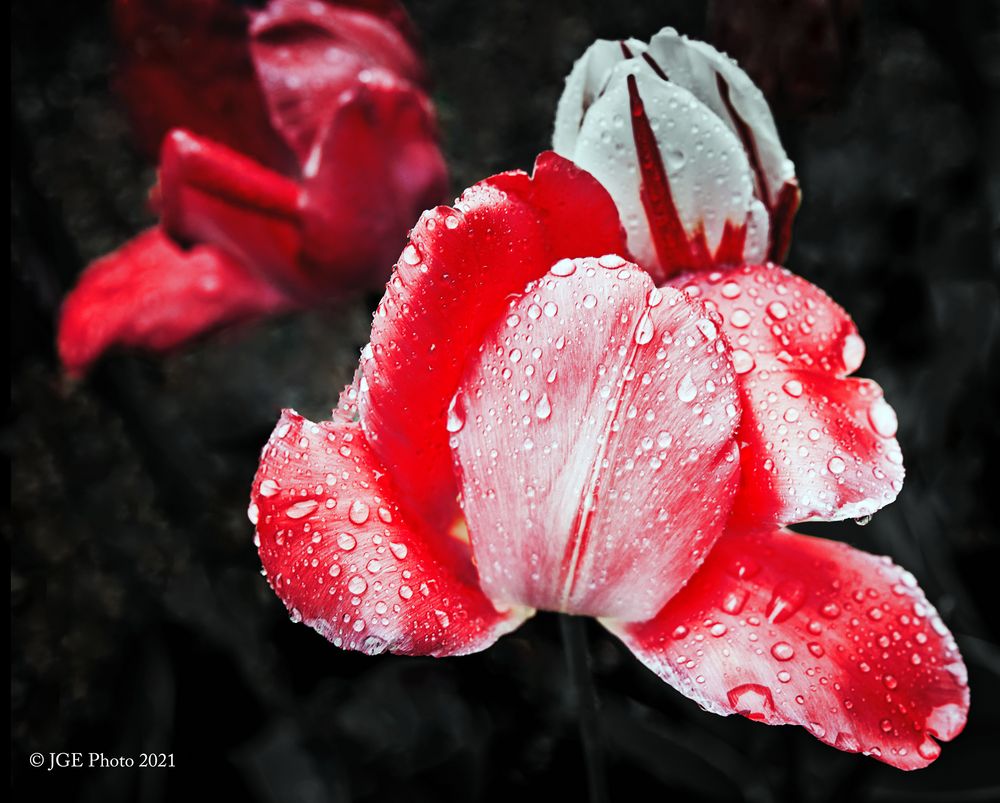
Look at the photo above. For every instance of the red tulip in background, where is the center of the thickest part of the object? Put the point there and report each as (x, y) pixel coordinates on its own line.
(298, 146)
(551, 417)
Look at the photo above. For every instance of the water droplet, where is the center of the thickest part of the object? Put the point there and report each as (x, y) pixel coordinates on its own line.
(883, 418)
(456, 416)
(740, 318)
(301, 509)
(735, 600)
(544, 408)
(777, 310)
(743, 361)
(398, 549)
(253, 513)
(718, 630)
(787, 599)
(346, 541)
(686, 390)
(793, 388)
(359, 512)
(782, 651)
(564, 267)
(836, 465)
(731, 290)
(405, 592)
(589, 301)
(853, 353)
(268, 488)
(752, 701)
(929, 749)
(357, 584)
(644, 331)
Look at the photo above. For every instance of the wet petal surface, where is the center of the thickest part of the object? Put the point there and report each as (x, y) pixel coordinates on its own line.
(349, 562)
(787, 629)
(816, 443)
(595, 438)
(452, 283)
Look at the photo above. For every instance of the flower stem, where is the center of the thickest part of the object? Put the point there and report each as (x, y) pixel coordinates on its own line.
(574, 636)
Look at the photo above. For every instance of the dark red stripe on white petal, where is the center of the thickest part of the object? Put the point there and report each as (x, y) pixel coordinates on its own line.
(676, 250)
(782, 216)
(152, 294)
(669, 237)
(816, 442)
(348, 561)
(747, 138)
(655, 66)
(786, 629)
(594, 436)
(450, 285)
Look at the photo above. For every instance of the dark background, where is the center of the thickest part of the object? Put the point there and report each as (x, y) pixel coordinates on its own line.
(140, 621)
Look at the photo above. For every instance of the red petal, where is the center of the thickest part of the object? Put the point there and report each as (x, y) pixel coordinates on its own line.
(210, 194)
(309, 53)
(450, 285)
(152, 294)
(815, 444)
(595, 437)
(787, 629)
(186, 64)
(349, 562)
(376, 167)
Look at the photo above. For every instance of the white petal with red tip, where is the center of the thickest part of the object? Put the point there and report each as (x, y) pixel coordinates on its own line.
(815, 443)
(594, 437)
(349, 562)
(787, 629)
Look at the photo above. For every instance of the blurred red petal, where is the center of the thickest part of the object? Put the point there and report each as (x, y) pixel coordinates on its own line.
(376, 167)
(450, 285)
(211, 194)
(348, 561)
(309, 52)
(186, 64)
(152, 294)
(787, 629)
(815, 443)
(595, 437)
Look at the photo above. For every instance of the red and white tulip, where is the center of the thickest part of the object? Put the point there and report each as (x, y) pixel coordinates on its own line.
(552, 416)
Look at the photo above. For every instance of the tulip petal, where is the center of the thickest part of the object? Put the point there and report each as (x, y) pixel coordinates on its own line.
(719, 83)
(678, 174)
(816, 443)
(308, 53)
(787, 629)
(595, 440)
(152, 294)
(210, 194)
(450, 285)
(350, 563)
(357, 204)
(186, 64)
(585, 83)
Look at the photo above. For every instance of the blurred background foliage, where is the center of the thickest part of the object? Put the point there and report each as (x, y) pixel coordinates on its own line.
(140, 621)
